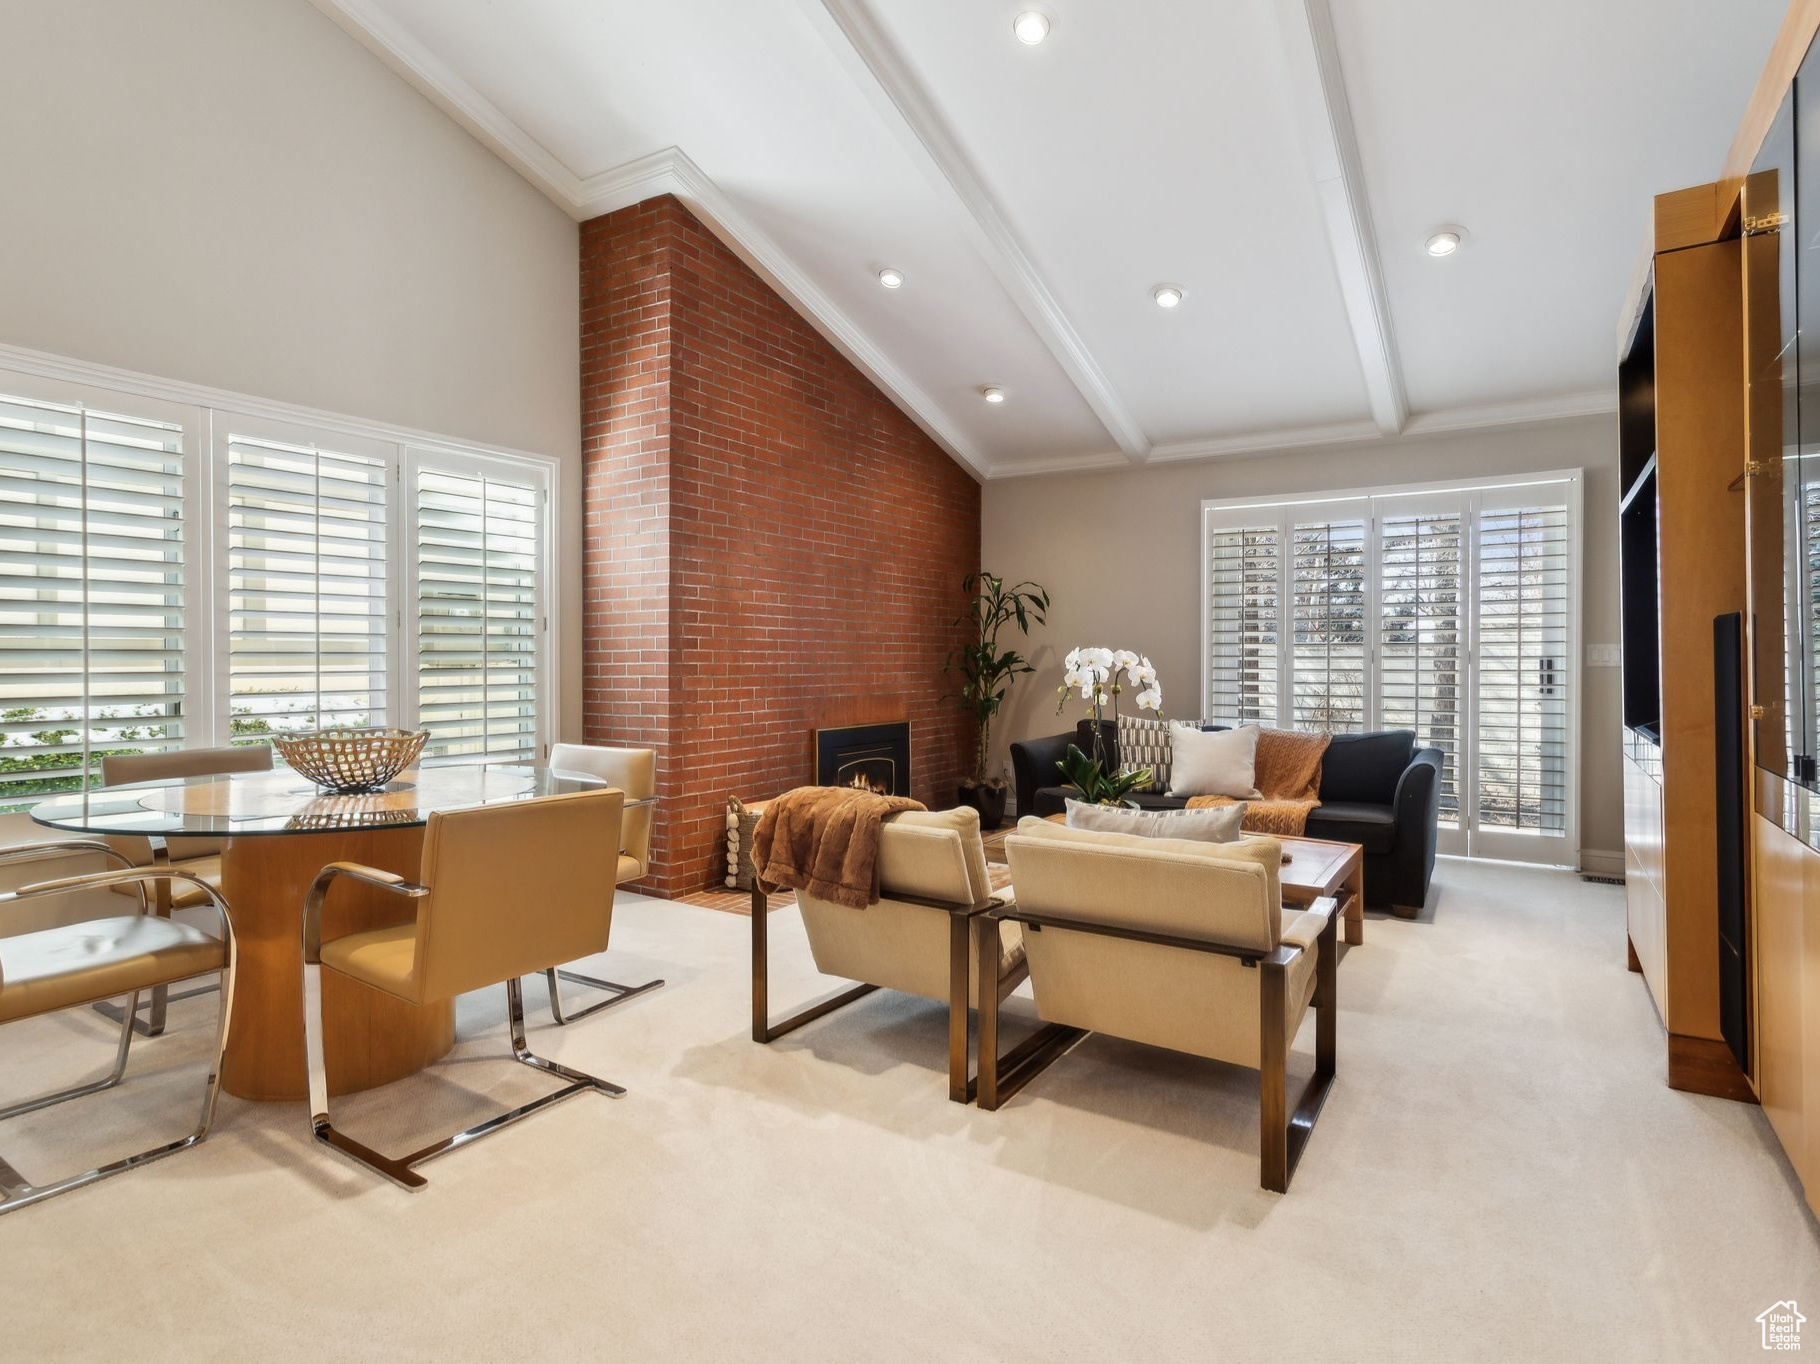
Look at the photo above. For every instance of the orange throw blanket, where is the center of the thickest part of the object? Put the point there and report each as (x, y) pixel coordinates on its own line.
(1288, 777)
(824, 840)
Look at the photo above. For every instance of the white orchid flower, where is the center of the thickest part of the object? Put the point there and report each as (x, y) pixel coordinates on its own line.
(1087, 690)
(1073, 660)
(1100, 658)
(1124, 660)
(1150, 700)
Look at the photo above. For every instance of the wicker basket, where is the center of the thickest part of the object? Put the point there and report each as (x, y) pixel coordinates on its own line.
(348, 761)
(742, 822)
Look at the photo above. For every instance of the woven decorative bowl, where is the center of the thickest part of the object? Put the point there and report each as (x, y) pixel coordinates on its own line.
(348, 761)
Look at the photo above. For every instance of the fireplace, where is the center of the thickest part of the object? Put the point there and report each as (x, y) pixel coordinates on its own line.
(872, 757)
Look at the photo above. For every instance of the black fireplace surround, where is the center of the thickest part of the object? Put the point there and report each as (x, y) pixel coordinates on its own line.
(872, 757)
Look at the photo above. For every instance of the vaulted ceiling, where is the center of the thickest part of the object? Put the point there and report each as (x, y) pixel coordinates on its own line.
(1282, 161)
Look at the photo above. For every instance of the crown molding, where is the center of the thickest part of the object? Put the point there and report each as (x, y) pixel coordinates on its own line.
(683, 178)
(1353, 435)
(668, 171)
(861, 45)
(436, 81)
(1324, 114)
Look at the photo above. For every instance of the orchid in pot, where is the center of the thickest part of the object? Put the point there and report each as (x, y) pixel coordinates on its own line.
(1096, 674)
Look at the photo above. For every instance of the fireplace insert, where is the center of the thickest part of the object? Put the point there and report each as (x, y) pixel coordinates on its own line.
(871, 757)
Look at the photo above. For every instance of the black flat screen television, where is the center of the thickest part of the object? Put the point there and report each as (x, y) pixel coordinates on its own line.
(1640, 602)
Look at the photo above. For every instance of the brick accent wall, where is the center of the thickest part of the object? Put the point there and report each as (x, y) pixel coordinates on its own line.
(771, 546)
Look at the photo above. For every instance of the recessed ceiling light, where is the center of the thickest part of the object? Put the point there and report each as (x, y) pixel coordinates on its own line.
(993, 395)
(891, 279)
(1031, 27)
(1168, 295)
(1444, 241)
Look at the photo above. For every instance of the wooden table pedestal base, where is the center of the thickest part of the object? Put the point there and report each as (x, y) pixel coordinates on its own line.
(371, 1038)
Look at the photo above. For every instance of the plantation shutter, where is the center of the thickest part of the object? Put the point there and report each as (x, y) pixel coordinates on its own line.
(478, 615)
(306, 588)
(1243, 572)
(1327, 650)
(1421, 662)
(91, 592)
(1524, 669)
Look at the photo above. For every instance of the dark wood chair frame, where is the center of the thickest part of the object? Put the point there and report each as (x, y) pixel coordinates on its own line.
(1283, 1134)
(962, 1083)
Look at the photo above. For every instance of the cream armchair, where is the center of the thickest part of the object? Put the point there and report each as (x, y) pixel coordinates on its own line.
(634, 771)
(933, 883)
(103, 958)
(1176, 944)
(505, 891)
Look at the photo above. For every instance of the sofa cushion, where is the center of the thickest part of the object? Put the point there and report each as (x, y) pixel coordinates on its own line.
(1053, 800)
(1144, 742)
(1214, 763)
(1366, 767)
(1220, 825)
(1374, 826)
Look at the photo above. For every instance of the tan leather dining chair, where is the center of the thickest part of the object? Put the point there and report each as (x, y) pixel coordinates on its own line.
(199, 857)
(505, 891)
(102, 958)
(634, 771)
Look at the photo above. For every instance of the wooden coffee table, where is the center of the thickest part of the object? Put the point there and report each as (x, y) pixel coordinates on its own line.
(1315, 867)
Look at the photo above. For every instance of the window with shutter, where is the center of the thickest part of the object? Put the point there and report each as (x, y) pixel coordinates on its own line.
(1523, 669)
(1327, 658)
(92, 591)
(1448, 611)
(306, 588)
(1420, 626)
(478, 614)
(1243, 568)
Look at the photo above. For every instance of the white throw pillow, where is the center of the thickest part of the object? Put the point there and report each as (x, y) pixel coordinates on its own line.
(1214, 762)
(1219, 825)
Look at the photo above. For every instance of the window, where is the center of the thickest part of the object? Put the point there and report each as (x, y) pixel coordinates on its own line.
(92, 591)
(178, 575)
(1446, 611)
(477, 614)
(306, 588)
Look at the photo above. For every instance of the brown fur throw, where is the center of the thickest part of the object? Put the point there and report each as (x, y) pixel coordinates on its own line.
(1289, 777)
(824, 840)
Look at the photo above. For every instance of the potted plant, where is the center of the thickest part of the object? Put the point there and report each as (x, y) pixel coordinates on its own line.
(1096, 673)
(987, 672)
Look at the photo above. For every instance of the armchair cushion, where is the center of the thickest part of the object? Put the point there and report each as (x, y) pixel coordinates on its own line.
(1264, 852)
(183, 894)
(384, 958)
(99, 959)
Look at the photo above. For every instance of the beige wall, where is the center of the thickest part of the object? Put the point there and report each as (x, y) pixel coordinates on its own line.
(235, 193)
(1120, 553)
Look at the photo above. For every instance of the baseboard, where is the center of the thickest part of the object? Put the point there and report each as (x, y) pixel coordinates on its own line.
(1601, 862)
(1703, 1065)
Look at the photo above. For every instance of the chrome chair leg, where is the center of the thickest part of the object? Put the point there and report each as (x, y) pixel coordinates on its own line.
(16, 1192)
(126, 1041)
(400, 1170)
(618, 993)
(152, 1025)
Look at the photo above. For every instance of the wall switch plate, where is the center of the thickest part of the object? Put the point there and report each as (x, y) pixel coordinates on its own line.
(1603, 656)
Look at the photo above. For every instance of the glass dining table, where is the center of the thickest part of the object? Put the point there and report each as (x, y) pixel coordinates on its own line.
(276, 831)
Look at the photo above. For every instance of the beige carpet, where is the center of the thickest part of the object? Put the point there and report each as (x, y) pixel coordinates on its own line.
(1500, 1174)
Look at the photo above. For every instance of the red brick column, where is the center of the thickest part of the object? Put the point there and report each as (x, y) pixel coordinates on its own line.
(771, 545)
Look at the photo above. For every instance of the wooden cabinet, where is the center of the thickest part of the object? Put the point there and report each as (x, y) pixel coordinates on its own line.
(1786, 873)
(1676, 580)
(1646, 911)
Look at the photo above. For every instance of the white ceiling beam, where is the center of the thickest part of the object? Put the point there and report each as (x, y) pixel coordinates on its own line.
(1324, 117)
(882, 74)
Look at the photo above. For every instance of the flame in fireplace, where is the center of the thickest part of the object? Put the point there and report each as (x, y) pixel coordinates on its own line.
(859, 781)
